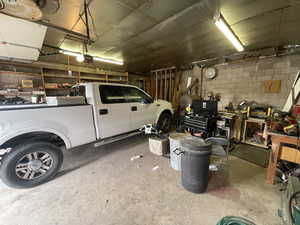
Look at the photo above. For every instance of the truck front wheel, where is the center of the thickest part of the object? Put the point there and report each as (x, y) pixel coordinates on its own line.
(164, 122)
(30, 164)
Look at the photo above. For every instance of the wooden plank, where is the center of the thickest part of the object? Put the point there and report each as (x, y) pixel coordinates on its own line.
(165, 85)
(161, 86)
(177, 91)
(156, 85)
(92, 78)
(153, 85)
(163, 69)
(175, 88)
(170, 85)
(60, 76)
(273, 162)
(289, 154)
(19, 73)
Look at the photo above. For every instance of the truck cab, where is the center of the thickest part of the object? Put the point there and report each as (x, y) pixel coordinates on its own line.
(120, 108)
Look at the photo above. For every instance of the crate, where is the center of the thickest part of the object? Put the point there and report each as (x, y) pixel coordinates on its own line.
(159, 146)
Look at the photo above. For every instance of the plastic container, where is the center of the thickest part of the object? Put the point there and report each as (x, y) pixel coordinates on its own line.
(175, 160)
(195, 158)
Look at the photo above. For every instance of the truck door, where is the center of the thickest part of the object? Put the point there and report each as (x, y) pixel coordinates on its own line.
(113, 113)
(142, 109)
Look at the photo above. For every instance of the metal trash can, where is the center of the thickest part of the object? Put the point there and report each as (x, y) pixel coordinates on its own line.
(175, 159)
(195, 158)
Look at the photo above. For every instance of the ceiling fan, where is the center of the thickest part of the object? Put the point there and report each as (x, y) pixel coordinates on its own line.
(29, 9)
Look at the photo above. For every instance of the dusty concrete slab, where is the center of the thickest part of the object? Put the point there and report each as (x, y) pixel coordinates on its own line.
(103, 186)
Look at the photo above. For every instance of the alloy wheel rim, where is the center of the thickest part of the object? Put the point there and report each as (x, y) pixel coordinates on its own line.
(34, 165)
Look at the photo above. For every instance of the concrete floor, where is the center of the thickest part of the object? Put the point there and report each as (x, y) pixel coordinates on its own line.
(103, 186)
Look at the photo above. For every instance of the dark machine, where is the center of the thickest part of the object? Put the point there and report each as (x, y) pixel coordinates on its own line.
(201, 118)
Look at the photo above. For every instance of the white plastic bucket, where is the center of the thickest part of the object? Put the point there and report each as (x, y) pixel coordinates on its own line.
(175, 159)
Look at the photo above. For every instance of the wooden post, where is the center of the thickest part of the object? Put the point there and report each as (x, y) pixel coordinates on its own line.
(43, 80)
(166, 85)
(161, 86)
(156, 86)
(170, 85)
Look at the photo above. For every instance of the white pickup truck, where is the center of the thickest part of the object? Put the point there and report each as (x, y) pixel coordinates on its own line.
(31, 136)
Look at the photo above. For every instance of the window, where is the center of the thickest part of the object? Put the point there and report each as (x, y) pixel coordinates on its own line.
(78, 91)
(135, 95)
(111, 94)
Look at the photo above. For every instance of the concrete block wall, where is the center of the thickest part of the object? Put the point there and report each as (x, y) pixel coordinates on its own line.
(244, 80)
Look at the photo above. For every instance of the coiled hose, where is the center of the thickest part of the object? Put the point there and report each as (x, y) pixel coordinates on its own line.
(233, 220)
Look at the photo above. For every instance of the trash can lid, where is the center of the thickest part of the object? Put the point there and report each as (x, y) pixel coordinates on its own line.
(195, 144)
(179, 136)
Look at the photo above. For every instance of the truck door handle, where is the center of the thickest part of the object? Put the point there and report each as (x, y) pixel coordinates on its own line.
(133, 108)
(103, 111)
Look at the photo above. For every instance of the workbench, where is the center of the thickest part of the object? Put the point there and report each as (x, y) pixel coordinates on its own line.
(280, 152)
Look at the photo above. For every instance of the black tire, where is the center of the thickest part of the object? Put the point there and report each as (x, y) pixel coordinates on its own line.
(164, 122)
(8, 168)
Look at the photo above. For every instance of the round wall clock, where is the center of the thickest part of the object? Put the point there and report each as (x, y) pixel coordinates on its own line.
(210, 72)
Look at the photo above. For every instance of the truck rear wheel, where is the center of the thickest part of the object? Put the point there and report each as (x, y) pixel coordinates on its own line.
(30, 164)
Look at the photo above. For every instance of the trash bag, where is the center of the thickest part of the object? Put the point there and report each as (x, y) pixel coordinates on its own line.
(233, 220)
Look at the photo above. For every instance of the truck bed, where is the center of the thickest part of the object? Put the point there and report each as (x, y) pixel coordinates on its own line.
(32, 106)
(73, 123)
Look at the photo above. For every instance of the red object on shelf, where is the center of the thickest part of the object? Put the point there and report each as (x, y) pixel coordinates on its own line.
(296, 109)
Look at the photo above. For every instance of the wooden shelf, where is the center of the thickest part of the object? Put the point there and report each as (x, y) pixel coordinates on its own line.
(46, 72)
(65, 67)
(117, 80)
(19, 73)
(57, 89)
(92, 78)
(60, 76)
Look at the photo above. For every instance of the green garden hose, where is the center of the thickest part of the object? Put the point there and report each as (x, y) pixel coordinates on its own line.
(233, 220)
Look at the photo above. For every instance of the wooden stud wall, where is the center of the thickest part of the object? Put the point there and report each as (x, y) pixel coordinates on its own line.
(165, 84)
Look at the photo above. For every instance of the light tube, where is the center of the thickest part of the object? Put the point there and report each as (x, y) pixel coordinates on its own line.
(108, 60)
(80, 57)
(69, 53)
(222, 25)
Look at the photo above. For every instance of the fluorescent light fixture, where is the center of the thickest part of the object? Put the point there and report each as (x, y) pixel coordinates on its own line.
(80, 57)
(108, 60)
(224, 27)
(65, 52)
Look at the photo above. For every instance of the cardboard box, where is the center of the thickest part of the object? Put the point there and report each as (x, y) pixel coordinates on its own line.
(27, 84)
(272, 86)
